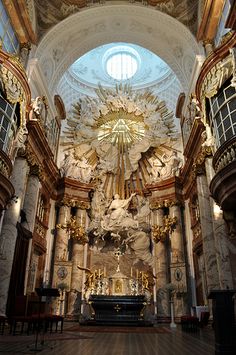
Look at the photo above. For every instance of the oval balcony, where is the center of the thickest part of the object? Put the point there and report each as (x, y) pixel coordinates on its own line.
(222, 186)
(6, 187)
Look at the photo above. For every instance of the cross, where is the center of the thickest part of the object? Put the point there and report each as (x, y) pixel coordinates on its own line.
(118, 255)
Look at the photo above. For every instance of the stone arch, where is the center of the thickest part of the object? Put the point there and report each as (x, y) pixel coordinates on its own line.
(149, 28)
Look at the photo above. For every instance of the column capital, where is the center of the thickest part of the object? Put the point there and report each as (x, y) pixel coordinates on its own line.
(67, 201)
(159, 204)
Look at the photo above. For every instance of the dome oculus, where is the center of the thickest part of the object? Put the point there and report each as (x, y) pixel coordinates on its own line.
(121, 62)
(121, 66)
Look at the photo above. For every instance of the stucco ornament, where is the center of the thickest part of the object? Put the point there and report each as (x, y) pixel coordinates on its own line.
(120, 125)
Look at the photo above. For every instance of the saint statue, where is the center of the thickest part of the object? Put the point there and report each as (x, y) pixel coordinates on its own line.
(118, 208)
(172, 165)
(118, 216)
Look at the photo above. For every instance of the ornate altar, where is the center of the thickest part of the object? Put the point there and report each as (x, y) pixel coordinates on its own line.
(114, 310)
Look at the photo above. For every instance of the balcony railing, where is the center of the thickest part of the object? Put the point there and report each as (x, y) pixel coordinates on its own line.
(225, 155)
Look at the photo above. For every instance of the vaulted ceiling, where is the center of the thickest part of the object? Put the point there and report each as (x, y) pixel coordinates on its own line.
(50, 13)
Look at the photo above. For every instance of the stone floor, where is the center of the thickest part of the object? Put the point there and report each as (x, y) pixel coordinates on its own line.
(166, 342)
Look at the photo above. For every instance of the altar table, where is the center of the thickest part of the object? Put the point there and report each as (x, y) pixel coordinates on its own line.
(118, 310)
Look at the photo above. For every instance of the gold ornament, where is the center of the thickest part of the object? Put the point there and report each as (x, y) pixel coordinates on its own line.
(160, 233)
(75, 230)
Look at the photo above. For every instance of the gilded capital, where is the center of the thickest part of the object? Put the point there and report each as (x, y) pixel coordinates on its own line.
(69, 202)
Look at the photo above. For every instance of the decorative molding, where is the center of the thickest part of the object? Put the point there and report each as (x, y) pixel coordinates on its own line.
(225, 155)
(75, 230)
(12, 86)
(149, 27)
(160, 233)
(69, 202)
(215, 70)
(159, 204)
(5, 164)
(15, 83)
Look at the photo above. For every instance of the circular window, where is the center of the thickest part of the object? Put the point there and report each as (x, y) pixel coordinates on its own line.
(121, 65)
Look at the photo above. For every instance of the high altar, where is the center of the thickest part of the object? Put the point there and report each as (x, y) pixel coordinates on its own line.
(125, 206)
(117, 298)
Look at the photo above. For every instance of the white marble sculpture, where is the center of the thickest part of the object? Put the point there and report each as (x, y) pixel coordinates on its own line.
(209, 140)
(78, 169)
(143, 210)
(37, 105)
(139, 242)
(172, 165)
(118, 216)
(98, 203)
(19, 141)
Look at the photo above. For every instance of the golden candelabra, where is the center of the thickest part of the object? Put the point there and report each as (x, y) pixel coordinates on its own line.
(75, 230)
(160, 233)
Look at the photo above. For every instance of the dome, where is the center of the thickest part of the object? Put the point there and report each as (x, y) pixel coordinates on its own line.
(115, 62)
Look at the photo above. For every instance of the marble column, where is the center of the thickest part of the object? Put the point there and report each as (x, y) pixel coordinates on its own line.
(76, 274)
(30, 208)
(177, 248)
(61, 247)
(178, 261)
(208, 242)
(189, 256)
(220, 235)
(9, 229)
(161, 266)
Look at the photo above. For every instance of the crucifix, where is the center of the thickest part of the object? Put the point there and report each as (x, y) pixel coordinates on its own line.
(118, 255)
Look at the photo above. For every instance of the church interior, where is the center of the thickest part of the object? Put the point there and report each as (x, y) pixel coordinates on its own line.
(118, 169)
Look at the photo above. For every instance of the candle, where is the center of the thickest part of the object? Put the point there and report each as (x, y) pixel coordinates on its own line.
(131, 272)
(137, 274)
(99, 272)
(104, 271)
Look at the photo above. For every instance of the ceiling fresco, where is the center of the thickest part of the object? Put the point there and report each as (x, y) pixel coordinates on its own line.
(50, 13)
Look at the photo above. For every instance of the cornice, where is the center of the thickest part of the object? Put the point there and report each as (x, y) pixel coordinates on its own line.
(169, 192)
(194, 142)
(173, 181)
(73, 193)
(37, 140)
(74, 184)
(39, 149)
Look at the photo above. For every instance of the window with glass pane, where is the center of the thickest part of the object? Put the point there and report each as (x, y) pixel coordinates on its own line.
(8, 37)
(223, 113)
(8, 124)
